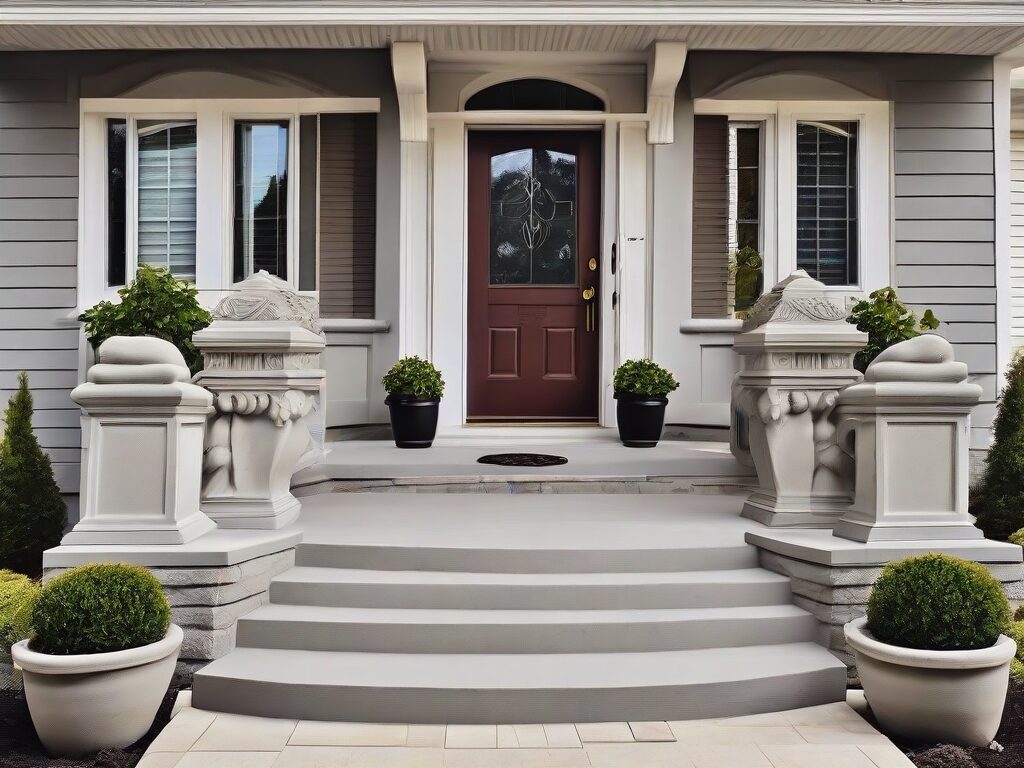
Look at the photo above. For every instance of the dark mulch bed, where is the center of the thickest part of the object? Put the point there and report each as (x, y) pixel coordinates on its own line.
(20, 748)
(1010, 736)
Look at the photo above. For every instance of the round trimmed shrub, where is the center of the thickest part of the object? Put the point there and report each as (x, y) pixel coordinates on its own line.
(18, 595)
(414, 377)
(98, 609)
(644, 378)
(937, 602)
(1016, 633)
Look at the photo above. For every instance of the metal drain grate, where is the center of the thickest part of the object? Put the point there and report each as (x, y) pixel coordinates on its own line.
(523, 460)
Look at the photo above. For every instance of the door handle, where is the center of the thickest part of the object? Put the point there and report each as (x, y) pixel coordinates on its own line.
(589, 312)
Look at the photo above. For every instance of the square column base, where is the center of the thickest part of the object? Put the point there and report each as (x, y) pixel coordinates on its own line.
(90, 531)
(262, 514)
(856, 530)
(806, 512)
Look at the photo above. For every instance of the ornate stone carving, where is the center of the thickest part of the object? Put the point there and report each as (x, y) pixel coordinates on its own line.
(265, 297)
(262, 355)
(798, 351)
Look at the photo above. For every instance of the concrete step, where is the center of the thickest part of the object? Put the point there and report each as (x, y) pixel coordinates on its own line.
(517, 688)
(536, 559)
(348, 587)
(448, 631)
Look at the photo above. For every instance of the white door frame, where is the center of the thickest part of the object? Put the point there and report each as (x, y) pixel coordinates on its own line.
(448, 269)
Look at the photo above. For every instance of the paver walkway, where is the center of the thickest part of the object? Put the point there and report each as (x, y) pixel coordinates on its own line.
(829, 736)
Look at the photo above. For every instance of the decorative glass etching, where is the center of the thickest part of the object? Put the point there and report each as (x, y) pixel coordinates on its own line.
(533, 218)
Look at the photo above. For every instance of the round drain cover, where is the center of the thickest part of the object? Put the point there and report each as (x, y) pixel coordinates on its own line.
(523, 460)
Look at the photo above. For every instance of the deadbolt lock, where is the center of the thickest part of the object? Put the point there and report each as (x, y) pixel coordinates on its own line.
(588, 294)
(592, 264)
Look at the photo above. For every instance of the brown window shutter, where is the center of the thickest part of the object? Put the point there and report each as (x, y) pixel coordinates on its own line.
(348, 214)
(710, 266)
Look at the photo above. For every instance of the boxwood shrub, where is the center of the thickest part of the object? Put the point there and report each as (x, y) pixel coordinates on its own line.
(937, 602)
(644, 378)
(18, 594)
(414, 377)
(98, 609)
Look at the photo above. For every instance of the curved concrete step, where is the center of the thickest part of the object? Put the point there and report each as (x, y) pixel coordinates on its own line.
(346, 587)
(448, 631)
(528, 559)
(514, 688)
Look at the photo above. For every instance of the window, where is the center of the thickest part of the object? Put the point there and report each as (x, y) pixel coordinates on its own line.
(161, 176)
(167, 196)
(117, 200)
(535, 94)
(217, 189)
(826, 201)
(744, 186)
(261, 198)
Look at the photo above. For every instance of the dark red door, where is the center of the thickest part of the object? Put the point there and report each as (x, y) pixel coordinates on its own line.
(534, 291)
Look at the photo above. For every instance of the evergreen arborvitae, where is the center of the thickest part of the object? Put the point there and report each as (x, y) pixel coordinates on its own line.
(999, 502)
(32, 512)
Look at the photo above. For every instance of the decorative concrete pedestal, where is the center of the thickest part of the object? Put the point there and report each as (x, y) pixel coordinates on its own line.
(908, 428)
(143, 469)
(262, 357)
(798, 352)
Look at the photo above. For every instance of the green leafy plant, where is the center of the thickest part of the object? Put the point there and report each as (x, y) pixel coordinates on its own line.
(1016, 633)
(937, 602)
(414, 377)
(887, 321)
(998, 501)
(748, 277)
(155, 304)
(18, 595)
(643, 377)
(100, 608)
(32, 512)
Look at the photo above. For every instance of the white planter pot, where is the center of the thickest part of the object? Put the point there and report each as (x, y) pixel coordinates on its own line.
(81, 704)
(933, 696)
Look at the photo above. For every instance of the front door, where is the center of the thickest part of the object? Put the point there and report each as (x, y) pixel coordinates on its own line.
(534, 275)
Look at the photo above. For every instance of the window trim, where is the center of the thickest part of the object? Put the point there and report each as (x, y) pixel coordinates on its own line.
(874, 169)
(214, 160)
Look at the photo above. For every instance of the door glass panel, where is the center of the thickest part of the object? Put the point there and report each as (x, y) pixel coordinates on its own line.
(533, 218)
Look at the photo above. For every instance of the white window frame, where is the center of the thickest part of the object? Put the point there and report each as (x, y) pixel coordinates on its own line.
(214, 181)
(874, 181)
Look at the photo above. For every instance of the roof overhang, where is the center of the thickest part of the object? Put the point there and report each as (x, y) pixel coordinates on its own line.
(890, 26)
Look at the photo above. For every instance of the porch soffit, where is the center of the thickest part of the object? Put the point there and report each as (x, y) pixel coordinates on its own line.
(252, 24)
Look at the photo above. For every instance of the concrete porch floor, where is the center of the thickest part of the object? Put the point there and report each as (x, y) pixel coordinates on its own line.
(593, 453)
(833, 735)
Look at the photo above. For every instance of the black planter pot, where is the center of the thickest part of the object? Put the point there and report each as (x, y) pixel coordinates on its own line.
(413, 422)
(641, 418)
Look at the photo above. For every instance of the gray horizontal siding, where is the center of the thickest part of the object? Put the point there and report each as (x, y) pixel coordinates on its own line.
(944, 210)
(38, 234)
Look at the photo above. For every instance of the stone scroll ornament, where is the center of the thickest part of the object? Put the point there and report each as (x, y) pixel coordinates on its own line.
(262, 365)
(797, 350)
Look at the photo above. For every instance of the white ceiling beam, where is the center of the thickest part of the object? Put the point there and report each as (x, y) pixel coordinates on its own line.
(409, 65)
(663, 73)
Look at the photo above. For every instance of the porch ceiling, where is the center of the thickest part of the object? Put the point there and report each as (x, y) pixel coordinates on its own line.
(982, 27)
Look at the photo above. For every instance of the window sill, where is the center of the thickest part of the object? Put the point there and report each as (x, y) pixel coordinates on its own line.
(711, 325)
(353, 325)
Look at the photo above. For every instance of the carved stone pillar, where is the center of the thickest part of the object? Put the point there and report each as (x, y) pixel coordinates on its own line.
(908, 425)
(262, 364)
(798, 353)
(144, 462)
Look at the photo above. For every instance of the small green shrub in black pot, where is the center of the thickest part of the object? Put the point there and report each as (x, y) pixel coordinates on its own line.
(641, 389)
(414, 388)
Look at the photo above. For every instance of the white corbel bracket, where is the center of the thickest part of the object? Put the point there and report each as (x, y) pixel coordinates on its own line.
(663, 72)
(409, 66)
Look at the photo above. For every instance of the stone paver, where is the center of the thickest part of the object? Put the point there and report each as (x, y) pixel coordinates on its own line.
(833, 735)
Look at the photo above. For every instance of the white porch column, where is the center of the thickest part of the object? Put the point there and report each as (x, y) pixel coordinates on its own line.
(409, 66)
(262, 364)
(908, 427)
(634, 269)
(145, 446)
(798, 350)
